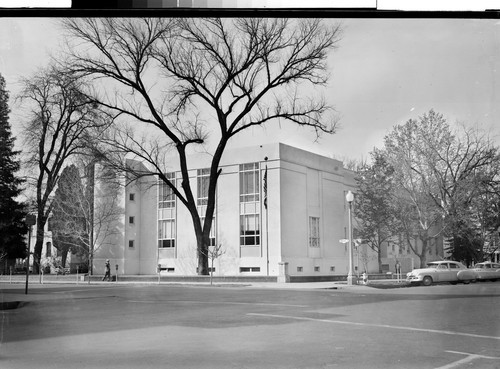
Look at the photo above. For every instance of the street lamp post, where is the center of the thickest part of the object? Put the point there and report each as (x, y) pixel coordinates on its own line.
(350, 278)
(30, 221)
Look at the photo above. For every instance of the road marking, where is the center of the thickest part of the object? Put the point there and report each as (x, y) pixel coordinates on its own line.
(87, 289)
(215, 302)
(376, 325)
(469, 358)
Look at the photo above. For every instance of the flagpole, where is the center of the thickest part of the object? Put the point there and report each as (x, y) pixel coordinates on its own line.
(267, 219)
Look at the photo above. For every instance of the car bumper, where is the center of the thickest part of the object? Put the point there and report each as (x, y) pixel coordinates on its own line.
(414, 279)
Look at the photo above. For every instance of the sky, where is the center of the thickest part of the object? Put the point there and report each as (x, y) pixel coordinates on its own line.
(384, 72)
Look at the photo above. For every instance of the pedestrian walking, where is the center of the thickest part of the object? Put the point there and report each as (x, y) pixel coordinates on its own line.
(108, 271)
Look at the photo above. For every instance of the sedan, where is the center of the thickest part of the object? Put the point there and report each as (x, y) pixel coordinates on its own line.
(441, 271)
(487, 271)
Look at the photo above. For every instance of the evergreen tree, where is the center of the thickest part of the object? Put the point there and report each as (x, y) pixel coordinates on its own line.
(68, 214)
(12, 213)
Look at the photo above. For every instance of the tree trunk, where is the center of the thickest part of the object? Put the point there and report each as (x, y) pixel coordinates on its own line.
(202, 242)
(423, 254)
(37, 252)
(379, 259)
(64, 257)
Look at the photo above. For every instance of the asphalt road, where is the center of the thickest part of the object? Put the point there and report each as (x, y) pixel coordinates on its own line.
(171, 326)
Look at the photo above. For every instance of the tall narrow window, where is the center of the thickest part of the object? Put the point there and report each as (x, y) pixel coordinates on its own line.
(166, 233)
(166, 197)
(249, 205)
(48, 251)
(166, 214)
(313, 232)
(203, 180)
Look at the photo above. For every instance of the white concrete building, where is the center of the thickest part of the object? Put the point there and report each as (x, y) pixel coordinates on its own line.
(305, 218)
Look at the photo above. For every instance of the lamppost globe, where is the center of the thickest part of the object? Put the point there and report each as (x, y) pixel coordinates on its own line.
(349, 197)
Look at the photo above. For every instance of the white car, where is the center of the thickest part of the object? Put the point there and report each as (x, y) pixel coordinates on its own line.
(441, 271)
(487, 271)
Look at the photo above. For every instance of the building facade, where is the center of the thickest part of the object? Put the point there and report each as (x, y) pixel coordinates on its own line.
(279, 209)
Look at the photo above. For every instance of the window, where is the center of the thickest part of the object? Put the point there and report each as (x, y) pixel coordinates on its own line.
(313, 232)
(249, 205)
(166, 197)
(203, 183)
(332, 269)
(167, 269)
(131, 196)
(249, 182)
(316, 269)
(48, 251)
(131, 244)
(249, 231)
(166, 233)
(203, 179)
(300, 269)
(166, 213)
(131, 220)
(249, 269)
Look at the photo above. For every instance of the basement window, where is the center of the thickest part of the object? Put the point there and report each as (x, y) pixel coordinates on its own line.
(168, 270)
(249, 269)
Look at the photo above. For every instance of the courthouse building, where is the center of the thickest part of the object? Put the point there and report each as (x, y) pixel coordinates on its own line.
(300, 229)
(305, 218)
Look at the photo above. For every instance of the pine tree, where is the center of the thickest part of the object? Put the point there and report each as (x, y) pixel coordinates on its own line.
(12, 213)
(68, 214)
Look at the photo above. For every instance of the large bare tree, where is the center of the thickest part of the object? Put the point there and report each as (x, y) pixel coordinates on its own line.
(375, 204)
(448, 180)
(201, 82)
(407, 149)
(59, 118)
(86, 216)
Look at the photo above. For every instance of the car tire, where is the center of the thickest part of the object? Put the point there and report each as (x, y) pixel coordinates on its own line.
(453, 283)
(467, 281)
(427, 281)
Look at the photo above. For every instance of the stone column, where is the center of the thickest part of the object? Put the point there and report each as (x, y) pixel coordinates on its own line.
(283, 276)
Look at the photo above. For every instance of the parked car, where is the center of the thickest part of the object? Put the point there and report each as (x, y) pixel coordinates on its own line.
(487, 271)
(441, 271)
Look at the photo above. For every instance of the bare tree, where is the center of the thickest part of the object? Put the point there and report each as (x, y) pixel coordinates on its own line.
(213, 253)
(449, 180)
(406, 149)
(59, 118)
(375, 204)
(87, 210)
(200, 82)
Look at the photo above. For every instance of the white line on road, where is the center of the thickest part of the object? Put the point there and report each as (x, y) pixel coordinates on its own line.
(376, 325)
(467, 359)
(214, 302)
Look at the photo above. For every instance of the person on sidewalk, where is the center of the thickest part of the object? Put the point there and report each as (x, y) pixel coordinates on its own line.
(108, 271)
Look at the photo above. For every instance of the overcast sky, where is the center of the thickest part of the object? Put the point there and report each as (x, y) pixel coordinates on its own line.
(384, 72)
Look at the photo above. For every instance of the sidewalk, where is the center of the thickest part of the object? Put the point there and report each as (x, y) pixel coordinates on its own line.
(16, 281)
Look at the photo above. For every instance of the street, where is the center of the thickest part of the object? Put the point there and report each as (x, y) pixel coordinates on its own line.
(194, 326)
